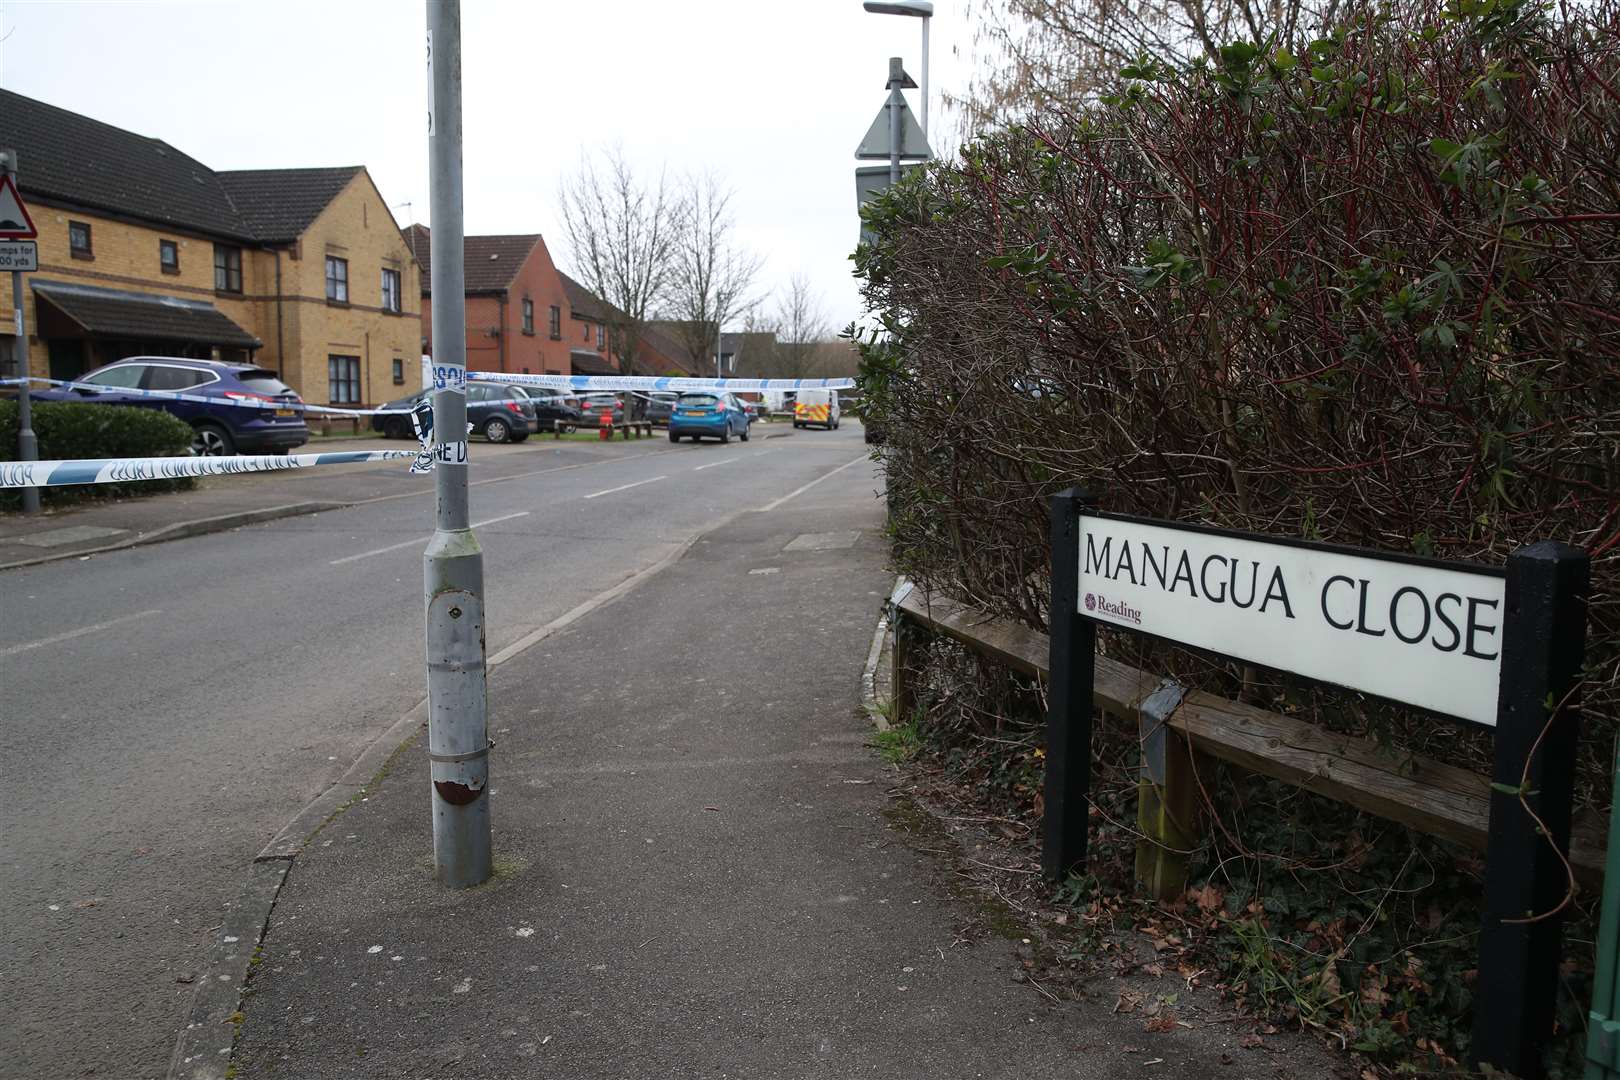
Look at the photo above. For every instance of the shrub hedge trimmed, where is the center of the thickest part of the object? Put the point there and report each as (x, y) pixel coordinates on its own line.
(70, 430)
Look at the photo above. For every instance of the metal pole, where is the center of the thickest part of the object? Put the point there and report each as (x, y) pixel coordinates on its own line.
(1538, 724)
(1073, 675)
(925, 21)
(453, 565)
(897, 102)
(27, 445)
(719, 367)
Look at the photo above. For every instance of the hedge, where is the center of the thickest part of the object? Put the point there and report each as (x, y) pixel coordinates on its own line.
(72, 430)
(1368, 294)
(1364, 291)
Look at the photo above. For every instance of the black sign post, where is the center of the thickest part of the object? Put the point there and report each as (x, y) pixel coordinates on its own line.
(1073, 668)
(1526, 873)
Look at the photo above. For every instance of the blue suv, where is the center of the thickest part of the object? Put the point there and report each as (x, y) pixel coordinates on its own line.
(222, 428)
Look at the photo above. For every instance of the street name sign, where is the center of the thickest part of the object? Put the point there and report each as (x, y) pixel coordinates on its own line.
(15, 224)
(19, 255)
(1418, 631)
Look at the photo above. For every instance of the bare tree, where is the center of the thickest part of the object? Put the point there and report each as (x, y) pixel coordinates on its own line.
(1040, 54)
(622, 236)
(712, 276)
(801, 325)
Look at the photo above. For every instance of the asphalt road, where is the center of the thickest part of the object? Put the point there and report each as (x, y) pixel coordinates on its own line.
(167, 709)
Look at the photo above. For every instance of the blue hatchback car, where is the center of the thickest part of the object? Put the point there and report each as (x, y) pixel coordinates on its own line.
(275, 426)
(718, 416)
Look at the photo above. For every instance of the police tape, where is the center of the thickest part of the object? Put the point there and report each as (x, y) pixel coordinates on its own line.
(20, 474)
(445, 377)
(243, 402)
(656, 382)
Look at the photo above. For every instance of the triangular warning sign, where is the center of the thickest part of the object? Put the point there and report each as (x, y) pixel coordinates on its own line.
(15, 224)
(913, 146)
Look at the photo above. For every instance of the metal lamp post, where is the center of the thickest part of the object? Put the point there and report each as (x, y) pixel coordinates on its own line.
(921, 9)
(453, 564)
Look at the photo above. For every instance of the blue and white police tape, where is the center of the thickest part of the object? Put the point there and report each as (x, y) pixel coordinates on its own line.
(656, 382)
(20, 474)
(240, 401)
(584, 383)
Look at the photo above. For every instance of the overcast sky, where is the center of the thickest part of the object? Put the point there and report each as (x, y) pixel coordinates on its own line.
(775, 96)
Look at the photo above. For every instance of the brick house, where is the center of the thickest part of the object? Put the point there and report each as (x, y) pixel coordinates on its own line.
(657, 354)
(589, 317)
(145, 250)
(517, 303)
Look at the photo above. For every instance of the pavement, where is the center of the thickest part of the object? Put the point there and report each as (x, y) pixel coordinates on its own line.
(168, 709)
(699, 869)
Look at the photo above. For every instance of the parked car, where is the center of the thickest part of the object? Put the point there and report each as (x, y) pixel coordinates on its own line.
(547, 393)
(552, 410)
(660, 404)
(498, 413)
(592, 405)
(717, 416)
(222, 428)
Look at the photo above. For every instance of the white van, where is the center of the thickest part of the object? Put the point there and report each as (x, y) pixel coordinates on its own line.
(816, 407)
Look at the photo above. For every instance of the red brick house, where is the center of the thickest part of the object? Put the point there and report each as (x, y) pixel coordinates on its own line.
(516, 304)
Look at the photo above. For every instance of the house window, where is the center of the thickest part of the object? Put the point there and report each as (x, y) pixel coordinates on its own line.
(587, 333)
(337, 280)
(390, 290)
(343, 380)
(79, 240)
(528, 316)
(601, 336)
(556, 323)
(169, 256)
(399, 372)
(227, 268)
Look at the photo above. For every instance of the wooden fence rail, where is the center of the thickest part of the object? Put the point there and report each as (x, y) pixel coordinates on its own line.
(1430, 796)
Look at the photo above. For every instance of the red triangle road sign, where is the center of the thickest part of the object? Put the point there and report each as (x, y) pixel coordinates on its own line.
(15, 224)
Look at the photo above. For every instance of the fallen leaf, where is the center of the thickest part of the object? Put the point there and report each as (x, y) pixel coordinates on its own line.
(1160, 1024)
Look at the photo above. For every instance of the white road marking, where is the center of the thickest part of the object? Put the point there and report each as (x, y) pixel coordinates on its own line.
(423, 540)
(54, 639)
(800, 491)
(624, 487)
(712, 464)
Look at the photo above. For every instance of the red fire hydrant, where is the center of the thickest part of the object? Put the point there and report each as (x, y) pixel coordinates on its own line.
(605, 430)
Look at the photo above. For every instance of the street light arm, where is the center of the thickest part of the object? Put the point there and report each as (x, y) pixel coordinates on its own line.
(921, 9)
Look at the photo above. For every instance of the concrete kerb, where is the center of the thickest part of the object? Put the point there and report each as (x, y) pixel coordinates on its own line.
(874, 659)
(182, 529)
(224, 522)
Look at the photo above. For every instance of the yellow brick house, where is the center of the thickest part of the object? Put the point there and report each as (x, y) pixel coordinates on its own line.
(143, 250)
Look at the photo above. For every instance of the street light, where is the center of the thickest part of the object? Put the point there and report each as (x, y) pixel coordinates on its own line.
(921, 9)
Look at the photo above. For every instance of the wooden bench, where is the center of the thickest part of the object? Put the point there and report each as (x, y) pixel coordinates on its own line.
(1430, 796)
(641, 428)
